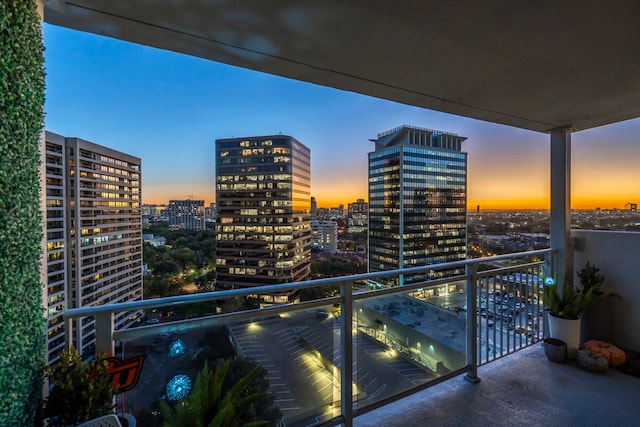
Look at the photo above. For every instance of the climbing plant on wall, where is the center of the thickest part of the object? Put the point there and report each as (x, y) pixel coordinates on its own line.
(21, 122)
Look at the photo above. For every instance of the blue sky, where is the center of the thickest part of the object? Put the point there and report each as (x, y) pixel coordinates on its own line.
(169, 108)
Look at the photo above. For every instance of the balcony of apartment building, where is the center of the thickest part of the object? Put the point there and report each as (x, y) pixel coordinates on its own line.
(450, 351)
(525, 388)
(552, 68)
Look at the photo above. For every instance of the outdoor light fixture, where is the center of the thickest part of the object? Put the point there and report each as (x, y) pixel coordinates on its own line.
(176, 349)
(178, 387)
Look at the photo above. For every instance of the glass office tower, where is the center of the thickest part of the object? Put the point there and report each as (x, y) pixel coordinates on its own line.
(263, 196)
(417, 201)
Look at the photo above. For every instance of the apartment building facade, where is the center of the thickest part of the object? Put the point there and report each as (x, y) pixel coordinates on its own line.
(94, 235)
(324, 236)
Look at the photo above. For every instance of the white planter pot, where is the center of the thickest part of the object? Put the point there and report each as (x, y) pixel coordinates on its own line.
(567, 330)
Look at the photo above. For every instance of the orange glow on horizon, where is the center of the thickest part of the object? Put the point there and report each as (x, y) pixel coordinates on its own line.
(580, 202)
(524, 204)
(487, 188)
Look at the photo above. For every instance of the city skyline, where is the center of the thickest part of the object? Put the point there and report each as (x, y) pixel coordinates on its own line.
(169, 109)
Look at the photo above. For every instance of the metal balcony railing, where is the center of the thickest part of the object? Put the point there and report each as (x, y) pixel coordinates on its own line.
(364, 348)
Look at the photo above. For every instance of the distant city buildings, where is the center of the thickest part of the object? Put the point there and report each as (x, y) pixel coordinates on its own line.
(337, 212)
(417, 200)
(334, 214)
(186, 214)
(263, 224)
(94, 236)
(358, 213)
(152, 214)
(314, 209)
(180, 215)
(154, 240)
(631, 207)
(323, 214)
(210, 213)
(149, 210)
(324, 236)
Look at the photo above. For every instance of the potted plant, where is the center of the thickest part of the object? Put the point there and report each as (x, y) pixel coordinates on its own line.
(81, 391)
(567, 305)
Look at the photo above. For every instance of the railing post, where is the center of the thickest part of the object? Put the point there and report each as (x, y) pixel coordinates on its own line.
(104, 334)
(346, 351)
(68, 334)
(550, 270)
(472, 324)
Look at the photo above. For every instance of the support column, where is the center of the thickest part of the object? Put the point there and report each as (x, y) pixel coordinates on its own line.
(561, 204)
(104, 335)
(346, 353)
(472, 324)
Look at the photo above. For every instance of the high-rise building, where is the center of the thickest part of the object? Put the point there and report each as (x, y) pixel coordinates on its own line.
(94, 236)
(152, 213)
(314, 209)
(186, 214)
(358, 213)
(58, 289)
(337, 212)
(149, 210)
(358, 207)
(417, 200)
(210, 213)
(324, 236)
(263, 226)
(323, 214)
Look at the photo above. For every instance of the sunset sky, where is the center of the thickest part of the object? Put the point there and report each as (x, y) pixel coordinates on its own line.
(169, 108)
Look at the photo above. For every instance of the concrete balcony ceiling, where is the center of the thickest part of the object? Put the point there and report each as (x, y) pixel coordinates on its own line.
(535, 65)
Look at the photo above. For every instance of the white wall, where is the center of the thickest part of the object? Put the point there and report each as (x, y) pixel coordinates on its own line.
(617, 254)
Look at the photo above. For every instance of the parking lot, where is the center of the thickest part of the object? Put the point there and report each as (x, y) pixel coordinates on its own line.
(302, 356)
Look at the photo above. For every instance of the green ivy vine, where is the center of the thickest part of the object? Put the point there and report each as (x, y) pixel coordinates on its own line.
(22, 320)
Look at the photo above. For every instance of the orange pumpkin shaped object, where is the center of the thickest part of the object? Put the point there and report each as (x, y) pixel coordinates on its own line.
(613, 354)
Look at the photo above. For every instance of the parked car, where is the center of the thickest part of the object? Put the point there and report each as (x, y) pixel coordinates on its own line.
(321, 314)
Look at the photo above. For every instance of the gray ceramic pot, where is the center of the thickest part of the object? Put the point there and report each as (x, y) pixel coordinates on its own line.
(555, 350)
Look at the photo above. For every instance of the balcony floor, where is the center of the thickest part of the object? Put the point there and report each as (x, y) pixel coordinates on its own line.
(521, 389)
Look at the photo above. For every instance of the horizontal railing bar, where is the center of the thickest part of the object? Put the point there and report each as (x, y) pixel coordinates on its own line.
(406, 288)
(198, 322)
(236, 316)
(510, 269)
(195, 323)
(348, 294)
(281, 288)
